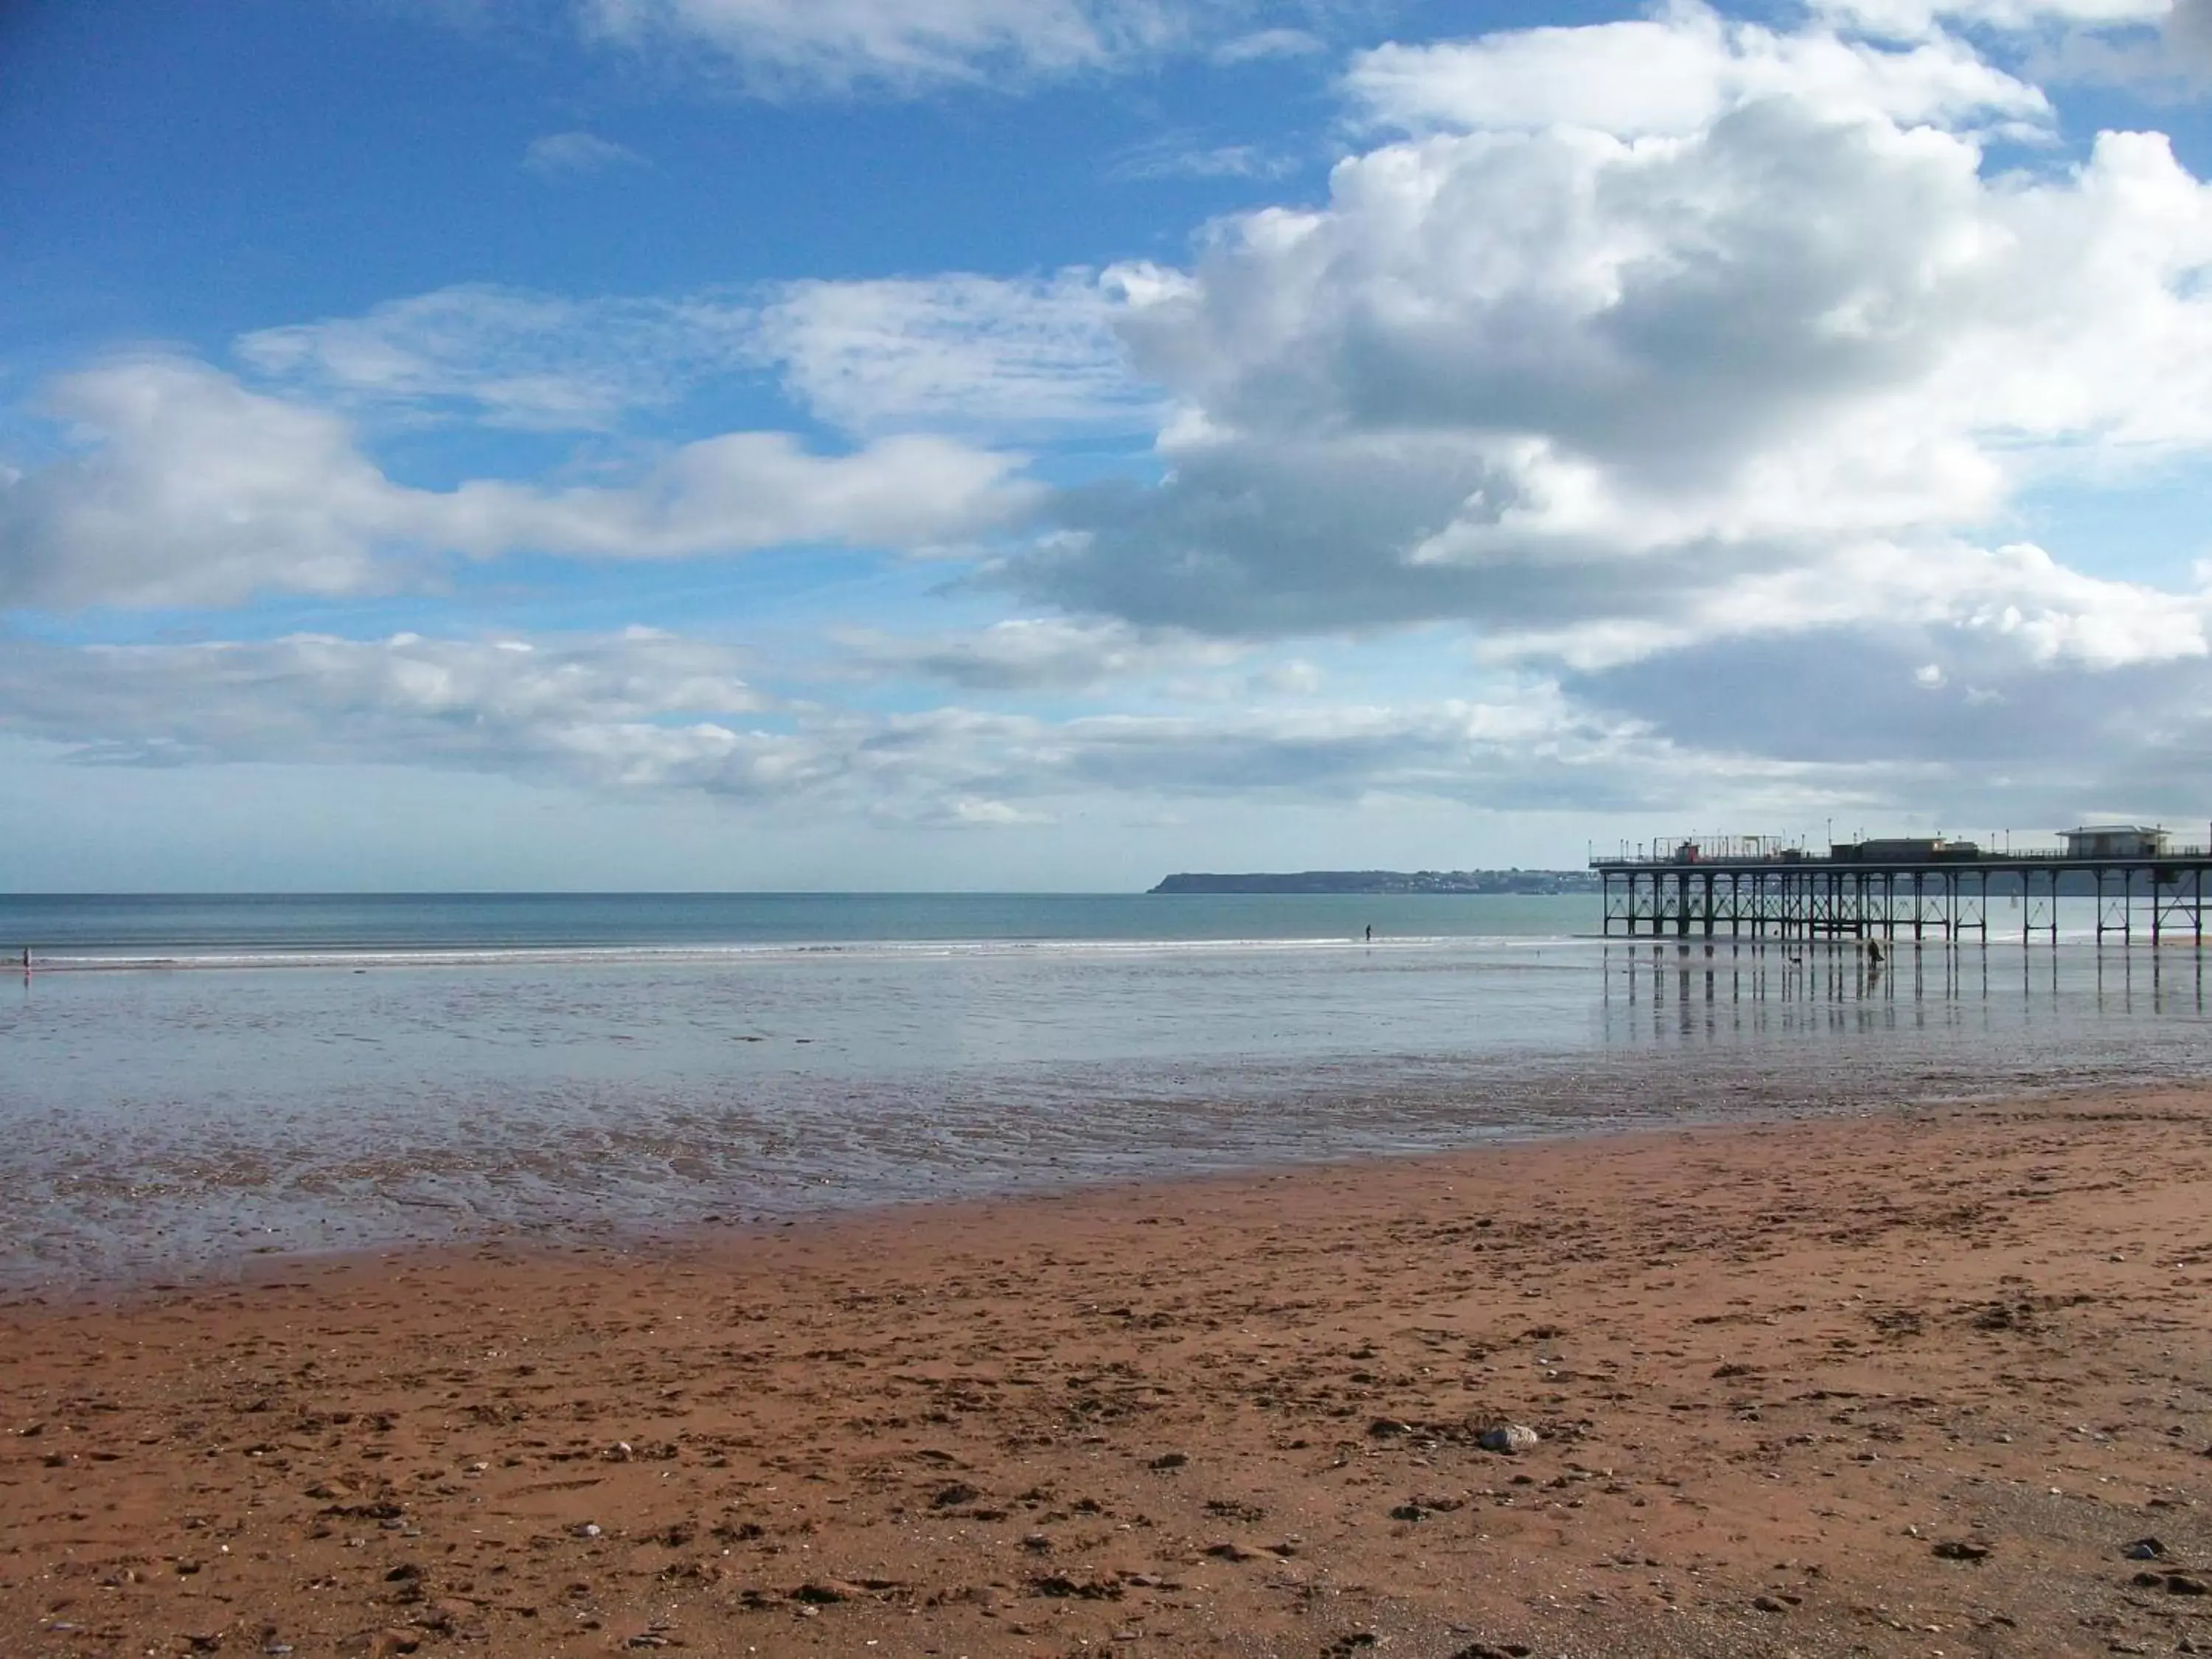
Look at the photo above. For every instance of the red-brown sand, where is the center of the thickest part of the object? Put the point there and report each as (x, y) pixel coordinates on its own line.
(1901, 1384)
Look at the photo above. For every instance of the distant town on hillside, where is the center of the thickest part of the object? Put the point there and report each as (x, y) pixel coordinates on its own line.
(1386, 881)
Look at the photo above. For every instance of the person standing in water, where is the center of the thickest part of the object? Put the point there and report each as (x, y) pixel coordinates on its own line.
(1371, 932)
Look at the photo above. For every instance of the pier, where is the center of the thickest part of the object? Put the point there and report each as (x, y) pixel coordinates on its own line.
(1911, 889)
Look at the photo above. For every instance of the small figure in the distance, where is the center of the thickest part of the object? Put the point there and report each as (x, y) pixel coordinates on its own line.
(1371, 932)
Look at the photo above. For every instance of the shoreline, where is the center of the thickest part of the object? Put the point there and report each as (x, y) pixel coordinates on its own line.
(713, 1236)
(132, 1282)
(1776, 1369)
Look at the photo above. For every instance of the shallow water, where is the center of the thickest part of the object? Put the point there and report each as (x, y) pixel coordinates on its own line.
(160, 1122)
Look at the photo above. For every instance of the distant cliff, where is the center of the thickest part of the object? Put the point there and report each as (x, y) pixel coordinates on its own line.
(1387, 881)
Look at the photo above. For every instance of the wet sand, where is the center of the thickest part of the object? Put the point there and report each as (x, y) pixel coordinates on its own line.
(1903, 1383)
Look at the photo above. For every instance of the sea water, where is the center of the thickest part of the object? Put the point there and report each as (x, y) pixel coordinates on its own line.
(187, 1082)
(196, 930)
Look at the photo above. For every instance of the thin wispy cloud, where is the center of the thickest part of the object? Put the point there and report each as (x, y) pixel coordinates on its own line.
(1014, 357)
(1045, 653)
(1175, 158)
(1261, 45)
(967, 353)
(790, 47)
(578, 155)
(511, 358)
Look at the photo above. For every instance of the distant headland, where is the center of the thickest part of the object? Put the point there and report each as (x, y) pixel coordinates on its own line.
(1386, 881)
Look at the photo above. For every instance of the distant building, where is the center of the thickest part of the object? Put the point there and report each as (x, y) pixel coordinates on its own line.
(1893, 849)
(2116, 841)
(1901, 849)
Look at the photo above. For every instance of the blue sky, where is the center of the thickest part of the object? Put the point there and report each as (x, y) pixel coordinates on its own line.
(1045, 443)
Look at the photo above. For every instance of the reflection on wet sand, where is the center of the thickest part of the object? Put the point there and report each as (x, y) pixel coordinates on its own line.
(1934, 982)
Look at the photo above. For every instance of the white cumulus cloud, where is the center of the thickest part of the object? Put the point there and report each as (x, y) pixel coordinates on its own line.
(1676, 73)
(1604, 364)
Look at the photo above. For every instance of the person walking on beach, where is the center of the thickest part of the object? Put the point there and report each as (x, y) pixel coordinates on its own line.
(1371, 939)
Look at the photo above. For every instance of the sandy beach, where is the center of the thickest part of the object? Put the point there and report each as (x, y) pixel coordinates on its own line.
(1910, 1383)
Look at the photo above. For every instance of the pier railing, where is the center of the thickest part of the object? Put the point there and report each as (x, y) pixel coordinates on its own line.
(1793, 858)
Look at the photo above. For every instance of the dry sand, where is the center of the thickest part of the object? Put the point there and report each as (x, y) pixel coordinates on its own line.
(1791, 1383)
